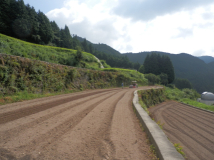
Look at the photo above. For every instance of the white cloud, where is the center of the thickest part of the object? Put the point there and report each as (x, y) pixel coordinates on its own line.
(178, 30)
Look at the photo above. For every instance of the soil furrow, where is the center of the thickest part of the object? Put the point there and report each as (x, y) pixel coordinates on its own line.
(192, 151)
(195, 112)
(192, 139)
(13, 115)
(20, 128)
(54, 133)
(91, 140)
(195, 122)
(188, 126)
(43, 100)
(74, 126)
(200, 137)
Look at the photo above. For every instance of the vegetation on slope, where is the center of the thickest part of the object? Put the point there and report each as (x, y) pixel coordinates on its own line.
(35, 27)
(23, 75)
(154, 96)
(13, 46)
(187, 96)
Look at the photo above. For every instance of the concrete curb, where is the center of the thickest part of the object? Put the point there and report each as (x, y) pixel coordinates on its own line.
(197, 108)
(164, 148)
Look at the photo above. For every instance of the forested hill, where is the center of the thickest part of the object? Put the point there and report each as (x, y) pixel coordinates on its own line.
(102, 47)
(200, 74)
(22, 21)
(207, 59)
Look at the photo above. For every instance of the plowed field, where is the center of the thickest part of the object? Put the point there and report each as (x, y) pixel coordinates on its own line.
(192, 128)
(98, 124)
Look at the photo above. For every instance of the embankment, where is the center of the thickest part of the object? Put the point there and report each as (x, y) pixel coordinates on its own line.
(23, 74)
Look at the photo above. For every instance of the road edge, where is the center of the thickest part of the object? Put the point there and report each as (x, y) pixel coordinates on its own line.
(164, 148)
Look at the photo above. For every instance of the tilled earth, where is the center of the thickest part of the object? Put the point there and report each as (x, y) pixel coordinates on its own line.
(98, 124)
(192, 128)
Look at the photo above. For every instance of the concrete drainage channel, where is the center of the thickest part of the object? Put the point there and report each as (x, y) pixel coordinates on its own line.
(164, 148)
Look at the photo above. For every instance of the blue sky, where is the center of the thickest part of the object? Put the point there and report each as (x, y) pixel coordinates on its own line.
(45, 5)
(174, 26)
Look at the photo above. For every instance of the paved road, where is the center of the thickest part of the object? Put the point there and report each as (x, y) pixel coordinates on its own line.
(98, 124)
(192, 128)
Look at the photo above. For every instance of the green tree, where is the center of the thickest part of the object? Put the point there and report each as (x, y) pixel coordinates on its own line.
(79, 55)
(45, 30)
(157, 64)
(152, 78)
(182, 83)
(163, 78)
(56, 32)
(141, 69)
(4, 17)
(168, 68)
(85, 45)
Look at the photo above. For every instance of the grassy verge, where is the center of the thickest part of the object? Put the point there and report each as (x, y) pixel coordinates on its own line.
(197, 104)
(187, 96)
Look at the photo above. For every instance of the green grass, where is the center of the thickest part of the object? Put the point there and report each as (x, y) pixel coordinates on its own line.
(187, 96)
(13, 46)
(132, 74)
(179, 148)
(197, 104)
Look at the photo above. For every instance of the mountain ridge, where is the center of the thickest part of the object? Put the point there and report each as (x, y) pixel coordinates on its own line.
(207, 59)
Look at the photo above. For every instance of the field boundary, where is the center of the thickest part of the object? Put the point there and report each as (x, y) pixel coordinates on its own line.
(197, 108)
(164, 148)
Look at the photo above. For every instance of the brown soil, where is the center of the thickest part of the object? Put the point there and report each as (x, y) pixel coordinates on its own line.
(192, 128)
(97, 124)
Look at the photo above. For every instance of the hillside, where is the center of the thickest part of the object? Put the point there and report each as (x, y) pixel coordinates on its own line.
(207, 59)
(13, 46)
(102, 47)
(19, 74)
(199, 73)
(211, 66)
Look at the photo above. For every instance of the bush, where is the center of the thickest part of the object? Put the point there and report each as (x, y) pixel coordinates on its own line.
(153, 79)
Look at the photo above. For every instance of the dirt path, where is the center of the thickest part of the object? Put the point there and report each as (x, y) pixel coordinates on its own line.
(192, 128)
(97, 124)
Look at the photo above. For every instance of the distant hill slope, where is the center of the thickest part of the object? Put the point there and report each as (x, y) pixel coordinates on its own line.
(211, 66)
(207, 59)
(102, 47)
(200, 74)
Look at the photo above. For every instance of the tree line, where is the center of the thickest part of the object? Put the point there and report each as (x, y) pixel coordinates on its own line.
(158, 69)
(22, 21)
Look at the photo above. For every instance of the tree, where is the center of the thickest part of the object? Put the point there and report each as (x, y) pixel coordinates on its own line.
(136, 66)
(45, 31)
(56, 32)
(4, 17)
(79, 55)
(141, 69)
(157, 64)
(85, 45)
(152, 78)
(163, 78)
(182, 83)
(168, 68)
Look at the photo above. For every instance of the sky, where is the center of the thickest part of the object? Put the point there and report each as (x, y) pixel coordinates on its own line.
(174, 26)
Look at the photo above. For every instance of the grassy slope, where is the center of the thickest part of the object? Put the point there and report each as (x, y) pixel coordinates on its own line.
(21, 79)
(13, 46)
(186, 96)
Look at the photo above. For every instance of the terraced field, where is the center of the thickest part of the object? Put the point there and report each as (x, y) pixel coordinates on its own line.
(192, 128)
(98, 124)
